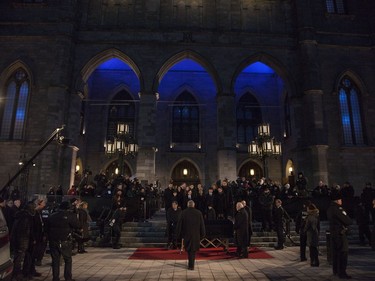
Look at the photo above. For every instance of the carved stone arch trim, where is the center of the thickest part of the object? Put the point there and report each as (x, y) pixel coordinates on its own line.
(272, 62)
(187, 54)
(119, 88)
(95, 61)
(245, 90)
(355, 78)
(186, 87)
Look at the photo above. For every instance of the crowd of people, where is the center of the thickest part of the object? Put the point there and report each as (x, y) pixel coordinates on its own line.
(30, 226)
(223, 200)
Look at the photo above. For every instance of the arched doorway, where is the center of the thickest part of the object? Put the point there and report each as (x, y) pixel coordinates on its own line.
(113, 170)
(185, 171)
(250, 170)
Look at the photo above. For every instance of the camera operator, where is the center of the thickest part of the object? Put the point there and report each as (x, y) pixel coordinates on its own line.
(116, 225)
(59, 227)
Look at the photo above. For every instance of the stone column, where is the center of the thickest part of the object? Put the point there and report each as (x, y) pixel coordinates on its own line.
(226, 137)
(146, 137)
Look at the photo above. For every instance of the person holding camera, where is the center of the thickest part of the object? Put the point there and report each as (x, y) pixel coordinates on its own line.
(339, 222)
(59, 228)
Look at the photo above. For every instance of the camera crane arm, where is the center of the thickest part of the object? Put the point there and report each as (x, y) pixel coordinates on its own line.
(30, 161)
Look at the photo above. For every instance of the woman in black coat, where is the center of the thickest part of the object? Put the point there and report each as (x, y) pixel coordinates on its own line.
(241, 227)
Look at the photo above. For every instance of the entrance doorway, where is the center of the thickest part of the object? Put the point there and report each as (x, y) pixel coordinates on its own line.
(113, 170)
(186, 172)
(250, 170)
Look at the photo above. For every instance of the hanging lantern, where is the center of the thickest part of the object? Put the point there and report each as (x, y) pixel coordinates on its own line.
(253, 148)
(264, 130)
(122, 128)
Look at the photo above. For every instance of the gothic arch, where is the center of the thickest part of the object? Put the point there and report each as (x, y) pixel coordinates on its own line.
(183, 88)
(188, 54)
(355, 78)
(13, 67)
(272, 62)
(95, 61)
(114, 161)
(255, 164)
(190, 162)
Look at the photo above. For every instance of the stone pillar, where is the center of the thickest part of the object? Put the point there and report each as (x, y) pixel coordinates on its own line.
(146, 137)
(319, 164)
(226, 137)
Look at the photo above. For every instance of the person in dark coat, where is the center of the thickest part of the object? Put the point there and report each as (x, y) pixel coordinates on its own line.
(168, 195)
(266, 202)
(22, 237)
(279, 219)
(173, 215)
(250, 219)
(363, 221)
(59, 227)
(312, 230)
(220, 204)
(84, 219)
(300, 229)
(241, 228)
(116, 225)
(339, 222)
(191, 229)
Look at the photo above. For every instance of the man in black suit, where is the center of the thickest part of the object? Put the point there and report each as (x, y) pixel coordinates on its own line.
(241, 226)
(191, 229)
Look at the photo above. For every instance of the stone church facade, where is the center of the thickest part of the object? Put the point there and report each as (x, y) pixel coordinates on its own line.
(65, 62)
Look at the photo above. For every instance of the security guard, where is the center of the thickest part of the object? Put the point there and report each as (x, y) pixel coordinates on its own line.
(59, 227)
(338, 225)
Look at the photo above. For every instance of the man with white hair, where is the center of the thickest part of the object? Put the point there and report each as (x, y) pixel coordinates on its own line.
(241, 228)
(191, 229)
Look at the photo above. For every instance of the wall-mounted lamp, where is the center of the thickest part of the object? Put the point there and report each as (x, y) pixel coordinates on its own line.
(185, 172)
(78, 167)
(116, 171)
(290, 170)
(252, 172)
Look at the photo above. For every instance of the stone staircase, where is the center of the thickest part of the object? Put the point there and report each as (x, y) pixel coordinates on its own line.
(152, 234)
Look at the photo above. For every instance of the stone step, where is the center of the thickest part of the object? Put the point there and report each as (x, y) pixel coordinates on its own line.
(142, 234)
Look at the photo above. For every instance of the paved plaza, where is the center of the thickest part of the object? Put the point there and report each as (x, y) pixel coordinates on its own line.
(110, 265)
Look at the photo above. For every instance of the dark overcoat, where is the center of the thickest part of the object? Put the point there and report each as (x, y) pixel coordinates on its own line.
(339, 222)
(241, 226)
(312, 228)
(191, 228)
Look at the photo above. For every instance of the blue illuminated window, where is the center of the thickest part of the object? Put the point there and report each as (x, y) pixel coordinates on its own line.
(336, 6)
(13, 106)
(350, 113)
(121, 109)
(249, 116)
(185, 123)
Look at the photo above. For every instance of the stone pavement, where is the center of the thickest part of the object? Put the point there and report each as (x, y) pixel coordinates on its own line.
(109, 265)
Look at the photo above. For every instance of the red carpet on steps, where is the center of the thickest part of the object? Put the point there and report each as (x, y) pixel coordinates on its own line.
(203, 254)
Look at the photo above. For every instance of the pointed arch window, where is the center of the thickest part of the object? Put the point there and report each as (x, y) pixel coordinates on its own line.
(121, 109)
(350, 113)
(185, 119)
(336, 6)
(13, 106)
(249, 116)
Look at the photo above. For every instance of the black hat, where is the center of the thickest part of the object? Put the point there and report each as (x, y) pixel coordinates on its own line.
(72, 200)
(336, 195)
(64, 205)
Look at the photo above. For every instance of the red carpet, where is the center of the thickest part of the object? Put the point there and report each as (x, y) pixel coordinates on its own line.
(203, 254)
